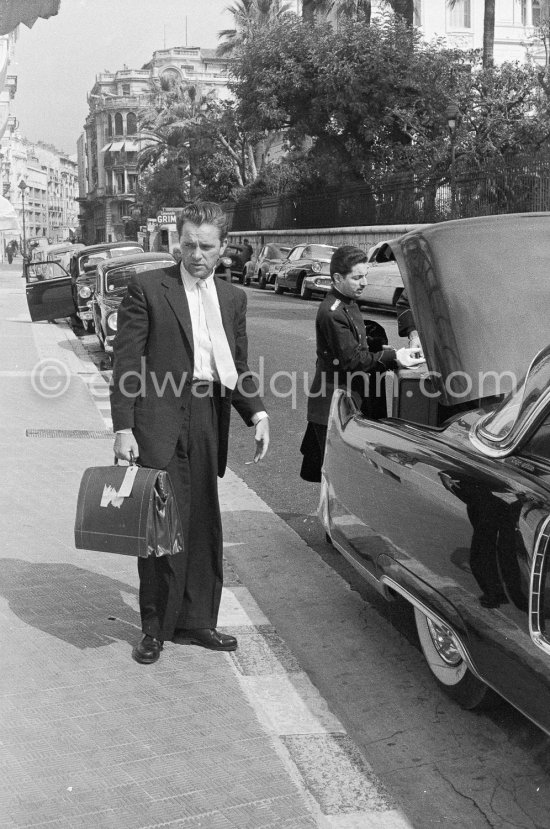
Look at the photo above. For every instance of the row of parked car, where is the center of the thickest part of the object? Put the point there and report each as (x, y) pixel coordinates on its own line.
(87, 283)
(305, 270)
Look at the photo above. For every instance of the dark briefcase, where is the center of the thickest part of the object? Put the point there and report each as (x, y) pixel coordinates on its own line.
(129, 510)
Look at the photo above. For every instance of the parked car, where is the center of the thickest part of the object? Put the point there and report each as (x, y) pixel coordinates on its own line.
(49, 290)
(82, 268)
(239, 257)
(112, 277)
(223, 269)
(447, 501)
(385, 283)
(268, 263)
(305, 270)
(62, 252)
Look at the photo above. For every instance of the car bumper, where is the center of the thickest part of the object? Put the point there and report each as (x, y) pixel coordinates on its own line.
(320, 284)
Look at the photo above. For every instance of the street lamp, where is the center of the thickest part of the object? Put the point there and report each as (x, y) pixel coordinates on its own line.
(452, 114)
(23, 186)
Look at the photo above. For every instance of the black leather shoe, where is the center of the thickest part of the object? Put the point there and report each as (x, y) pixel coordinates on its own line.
(206, 638)
(148, 650)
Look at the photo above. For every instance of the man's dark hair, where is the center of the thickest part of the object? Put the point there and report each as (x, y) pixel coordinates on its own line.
(201, 213)
(344, 258)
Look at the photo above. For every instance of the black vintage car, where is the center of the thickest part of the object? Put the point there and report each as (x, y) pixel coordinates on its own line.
(82, 268)
(112, 277)
(446, 502)
(53, 292)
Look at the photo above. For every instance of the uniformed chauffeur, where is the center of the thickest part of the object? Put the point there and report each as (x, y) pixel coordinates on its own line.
(343, 356)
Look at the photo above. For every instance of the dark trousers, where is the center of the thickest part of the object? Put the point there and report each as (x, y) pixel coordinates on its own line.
(184, 591)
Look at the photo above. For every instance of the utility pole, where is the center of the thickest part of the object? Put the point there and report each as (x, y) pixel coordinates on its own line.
(23, 186)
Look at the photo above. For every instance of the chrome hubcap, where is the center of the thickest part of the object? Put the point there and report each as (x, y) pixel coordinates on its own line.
(444, 643)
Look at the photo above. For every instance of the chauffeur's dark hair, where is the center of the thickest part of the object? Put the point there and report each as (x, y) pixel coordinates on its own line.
(344, 258)
(203, 212)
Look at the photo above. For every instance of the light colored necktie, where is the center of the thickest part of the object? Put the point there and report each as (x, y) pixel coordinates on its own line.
(223, 359)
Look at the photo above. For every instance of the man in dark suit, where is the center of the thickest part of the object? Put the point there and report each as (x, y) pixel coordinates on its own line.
(180, 362)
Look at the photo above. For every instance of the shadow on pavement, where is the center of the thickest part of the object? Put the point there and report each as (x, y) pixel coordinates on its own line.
(83, 608)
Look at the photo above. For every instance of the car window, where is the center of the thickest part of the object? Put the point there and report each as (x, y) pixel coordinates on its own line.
(114, 252)
(319, 251)
(296, 253)
(116, 280)
(89, 259)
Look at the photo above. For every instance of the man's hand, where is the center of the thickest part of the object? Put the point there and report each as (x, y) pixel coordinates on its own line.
(125, 447)
(261, 436)
(409, 357)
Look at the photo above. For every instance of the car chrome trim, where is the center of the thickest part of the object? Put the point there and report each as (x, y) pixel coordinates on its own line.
(536, 603)
(391, 584)
(507, 446)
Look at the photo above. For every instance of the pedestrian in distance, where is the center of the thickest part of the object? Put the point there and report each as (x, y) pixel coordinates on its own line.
(344, 359)
(180, 363)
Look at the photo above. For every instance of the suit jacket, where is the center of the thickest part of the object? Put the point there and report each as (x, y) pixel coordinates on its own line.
(153, 364)
(343, 356)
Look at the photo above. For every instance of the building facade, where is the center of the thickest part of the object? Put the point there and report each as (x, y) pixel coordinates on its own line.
(461, 24)
(109, 148)
(47, 206)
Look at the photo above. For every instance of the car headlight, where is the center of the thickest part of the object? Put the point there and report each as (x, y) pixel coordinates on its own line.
(112, 320)
(85, 292)
(316, 267)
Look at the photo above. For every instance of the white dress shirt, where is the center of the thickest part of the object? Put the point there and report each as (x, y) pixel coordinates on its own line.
(204, 366)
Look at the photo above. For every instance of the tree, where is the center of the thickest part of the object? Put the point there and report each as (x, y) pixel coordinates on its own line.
(339, 89)
(199, 139)
(249, 16)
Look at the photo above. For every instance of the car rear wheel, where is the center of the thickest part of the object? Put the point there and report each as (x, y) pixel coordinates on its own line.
(278, 289)
(449, 669)
(305, 292)
(262, 281)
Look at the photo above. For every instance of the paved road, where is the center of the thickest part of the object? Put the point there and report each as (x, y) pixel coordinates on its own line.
(445, 766)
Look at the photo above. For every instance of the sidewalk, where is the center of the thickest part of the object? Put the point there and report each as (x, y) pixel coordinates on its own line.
(91, 739)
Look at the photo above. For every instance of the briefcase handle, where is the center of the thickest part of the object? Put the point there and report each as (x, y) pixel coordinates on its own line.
(132, 462)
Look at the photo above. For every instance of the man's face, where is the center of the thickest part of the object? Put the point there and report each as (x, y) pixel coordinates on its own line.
(353, 282)
(201, 248)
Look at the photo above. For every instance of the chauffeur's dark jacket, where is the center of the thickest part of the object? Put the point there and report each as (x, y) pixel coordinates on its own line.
(342, 351)
(153, 364)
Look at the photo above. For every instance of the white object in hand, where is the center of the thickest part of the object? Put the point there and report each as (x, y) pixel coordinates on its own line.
(409, 357)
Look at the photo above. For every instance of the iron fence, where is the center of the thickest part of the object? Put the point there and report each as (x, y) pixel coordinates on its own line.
(522, 187)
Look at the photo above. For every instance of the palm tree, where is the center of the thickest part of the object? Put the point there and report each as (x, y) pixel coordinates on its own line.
(488, 31)
(248, 16)
(168, 124)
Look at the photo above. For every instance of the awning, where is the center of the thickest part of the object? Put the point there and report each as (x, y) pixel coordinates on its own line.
(106, 147)
(131, 147)
(116, 146)
(8, 216)
(14, 12)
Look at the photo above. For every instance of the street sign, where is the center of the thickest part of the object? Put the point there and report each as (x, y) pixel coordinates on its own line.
(166, 219)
